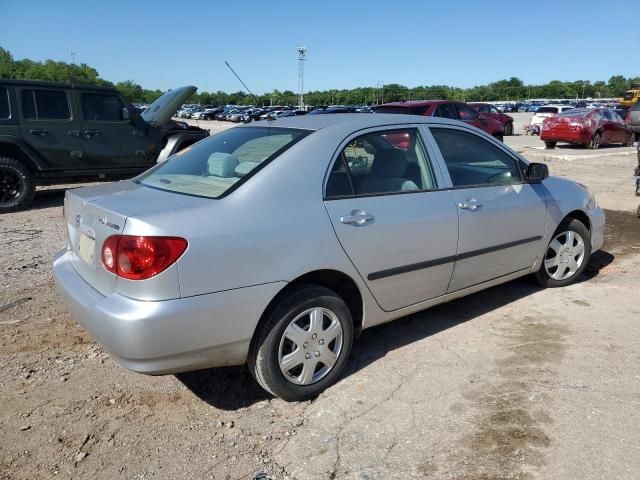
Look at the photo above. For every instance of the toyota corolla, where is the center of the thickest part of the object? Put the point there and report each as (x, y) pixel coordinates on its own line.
(275, 244)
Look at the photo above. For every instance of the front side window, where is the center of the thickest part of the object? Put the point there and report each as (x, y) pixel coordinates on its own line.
(45, 105)
(101, 107)
(214, 167)
(391, 161)
(466, 113)
(446, 110)
(5, 111)
(473, 161)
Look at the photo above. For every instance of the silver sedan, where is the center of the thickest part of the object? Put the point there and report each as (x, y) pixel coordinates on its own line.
(276, 244)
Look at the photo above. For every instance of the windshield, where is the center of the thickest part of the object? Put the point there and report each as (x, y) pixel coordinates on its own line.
(629, 95)
(219, 164)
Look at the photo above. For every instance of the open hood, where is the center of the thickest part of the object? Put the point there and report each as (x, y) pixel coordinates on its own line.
(161, 111)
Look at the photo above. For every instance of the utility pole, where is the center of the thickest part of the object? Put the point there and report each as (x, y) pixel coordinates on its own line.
(73, 57)
(302, 55)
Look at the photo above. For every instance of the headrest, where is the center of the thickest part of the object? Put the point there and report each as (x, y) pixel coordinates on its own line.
(245, 167)
(222, 164)
(389, 164)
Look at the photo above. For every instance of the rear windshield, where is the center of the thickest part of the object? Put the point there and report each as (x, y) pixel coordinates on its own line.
(216, 166)
(403, 110)
(547, 110)
(575, 112)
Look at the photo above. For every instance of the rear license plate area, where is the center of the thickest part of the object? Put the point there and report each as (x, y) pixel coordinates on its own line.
(86, 247)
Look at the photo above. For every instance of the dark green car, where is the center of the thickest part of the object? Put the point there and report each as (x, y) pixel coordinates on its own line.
(52, 133)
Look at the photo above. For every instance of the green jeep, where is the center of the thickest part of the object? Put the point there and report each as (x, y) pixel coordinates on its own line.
(52, 133)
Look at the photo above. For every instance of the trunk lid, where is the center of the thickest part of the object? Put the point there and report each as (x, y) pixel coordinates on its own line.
(161, 111)
(93, 214)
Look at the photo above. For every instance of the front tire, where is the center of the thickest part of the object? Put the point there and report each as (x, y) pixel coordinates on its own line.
(550, 145)
(17, 186)
(303, 344)
(567, 255)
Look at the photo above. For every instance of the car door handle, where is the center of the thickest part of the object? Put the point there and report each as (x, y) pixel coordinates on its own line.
(472, 205)
(357, 217)
(74, 133)
(92, 133)
(39, 131)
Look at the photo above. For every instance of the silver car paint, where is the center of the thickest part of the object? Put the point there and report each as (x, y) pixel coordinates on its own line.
(270, 231)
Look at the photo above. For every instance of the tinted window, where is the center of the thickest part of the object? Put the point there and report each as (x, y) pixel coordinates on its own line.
(212, 167)
(45, 105)
(390, 161)
(616, 118)
(605, 115)
(635, 107)
(5, 111)
(446, 110)
(403, 110)
(466, 113)
(101, 107)
(473, 161)
(547, 110)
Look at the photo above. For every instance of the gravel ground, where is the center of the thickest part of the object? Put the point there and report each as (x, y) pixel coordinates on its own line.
(514, 382)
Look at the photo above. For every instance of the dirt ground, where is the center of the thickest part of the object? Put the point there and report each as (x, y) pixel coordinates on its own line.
(514, 382)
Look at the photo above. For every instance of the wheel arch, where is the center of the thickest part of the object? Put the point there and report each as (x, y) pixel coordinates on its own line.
(581, 217)
(10, 147)
(342, 284)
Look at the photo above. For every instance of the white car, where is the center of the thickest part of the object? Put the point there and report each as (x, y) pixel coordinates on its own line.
(547, 111)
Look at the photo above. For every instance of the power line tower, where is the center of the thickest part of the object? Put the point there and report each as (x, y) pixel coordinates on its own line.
(302, 55)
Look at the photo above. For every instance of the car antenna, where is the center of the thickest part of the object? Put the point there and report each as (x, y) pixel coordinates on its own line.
(243, 84)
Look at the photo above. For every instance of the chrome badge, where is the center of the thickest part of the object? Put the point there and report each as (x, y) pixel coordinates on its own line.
(105, 221)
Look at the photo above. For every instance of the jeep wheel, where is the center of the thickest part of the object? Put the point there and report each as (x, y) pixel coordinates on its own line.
(17, 187)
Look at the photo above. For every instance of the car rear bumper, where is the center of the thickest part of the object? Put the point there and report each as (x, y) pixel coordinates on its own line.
(166, 336)
(570, 136)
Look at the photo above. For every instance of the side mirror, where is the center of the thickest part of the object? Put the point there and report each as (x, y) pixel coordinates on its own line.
(125, 114)
(537, 172)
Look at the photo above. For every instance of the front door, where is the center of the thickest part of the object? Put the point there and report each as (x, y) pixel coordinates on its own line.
(397, 228)
(49, 125)
(110, 141)
(502, 218)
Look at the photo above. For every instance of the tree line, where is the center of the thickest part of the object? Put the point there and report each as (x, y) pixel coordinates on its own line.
(511, 89)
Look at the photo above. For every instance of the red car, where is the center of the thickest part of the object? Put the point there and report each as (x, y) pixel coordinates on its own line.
(446, 109)
(490, 111)
(589, 127)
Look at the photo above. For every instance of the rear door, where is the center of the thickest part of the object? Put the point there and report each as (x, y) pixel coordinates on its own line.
(50, 126)
(621, 133)
(397, 226)
(502, 219)
(110, 141)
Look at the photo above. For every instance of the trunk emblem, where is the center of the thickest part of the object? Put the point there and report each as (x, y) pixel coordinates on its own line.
(106, 222)
(78, 218)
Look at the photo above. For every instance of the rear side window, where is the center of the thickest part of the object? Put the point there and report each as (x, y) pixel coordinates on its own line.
(45, 105)
(472, 161)
(5, 111)
(635, 107)
(216, 166)
(101, 107)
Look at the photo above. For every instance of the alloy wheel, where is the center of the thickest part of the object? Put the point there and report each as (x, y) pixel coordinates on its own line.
(310, 346)
(565, 255)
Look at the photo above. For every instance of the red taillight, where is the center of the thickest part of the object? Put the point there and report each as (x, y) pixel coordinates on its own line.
(139, 258)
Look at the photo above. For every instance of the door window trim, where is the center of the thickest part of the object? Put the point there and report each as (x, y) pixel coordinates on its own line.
(9, 110)
(337, 155)
(443, 165)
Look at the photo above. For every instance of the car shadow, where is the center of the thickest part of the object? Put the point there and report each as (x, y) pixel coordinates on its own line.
(51, 197)
(231, 388)
(571, 146)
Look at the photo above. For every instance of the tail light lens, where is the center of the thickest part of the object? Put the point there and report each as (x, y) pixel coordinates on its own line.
(139, 258)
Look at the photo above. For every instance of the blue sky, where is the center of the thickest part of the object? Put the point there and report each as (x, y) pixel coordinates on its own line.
(350, 43)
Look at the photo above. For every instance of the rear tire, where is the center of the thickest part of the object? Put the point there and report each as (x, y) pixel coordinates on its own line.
(566, 256)
(550, 145)
(282, 356)
(594, 144)
(17, 185)
(508, 129)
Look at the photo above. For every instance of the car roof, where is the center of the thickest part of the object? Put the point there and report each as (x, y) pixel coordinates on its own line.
(45, 84)
(352, 121)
